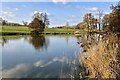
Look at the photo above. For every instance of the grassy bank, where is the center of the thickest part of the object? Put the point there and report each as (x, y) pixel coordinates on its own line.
(25, 30)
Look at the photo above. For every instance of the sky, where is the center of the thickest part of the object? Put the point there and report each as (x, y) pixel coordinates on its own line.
(59, 13)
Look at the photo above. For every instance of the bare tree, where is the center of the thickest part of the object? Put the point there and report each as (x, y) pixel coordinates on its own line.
(90, 21)
(100, 14)
(46, 20)
(37, 15)
(25, 23)
(105, 21)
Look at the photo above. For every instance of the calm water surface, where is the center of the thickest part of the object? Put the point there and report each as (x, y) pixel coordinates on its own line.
(40, 57)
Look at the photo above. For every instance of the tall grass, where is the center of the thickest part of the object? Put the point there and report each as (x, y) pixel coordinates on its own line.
(102, 60)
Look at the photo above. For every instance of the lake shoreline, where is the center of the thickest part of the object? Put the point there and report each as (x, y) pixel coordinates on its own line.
(50, 33)
(15, 30)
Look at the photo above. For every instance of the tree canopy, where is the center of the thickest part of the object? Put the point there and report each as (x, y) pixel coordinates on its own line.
(112, 20)
(39, 22)
(88, 22)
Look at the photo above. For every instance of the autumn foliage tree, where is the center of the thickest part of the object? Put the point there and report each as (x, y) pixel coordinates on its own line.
(80, 25)
(88, 22)
(37, 25)
(39, 22)
(105, 21)
(113, 19)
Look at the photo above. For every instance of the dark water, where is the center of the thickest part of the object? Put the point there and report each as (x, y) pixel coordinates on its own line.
(40, 57)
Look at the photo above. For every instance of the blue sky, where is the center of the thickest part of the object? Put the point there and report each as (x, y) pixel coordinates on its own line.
(58, 12)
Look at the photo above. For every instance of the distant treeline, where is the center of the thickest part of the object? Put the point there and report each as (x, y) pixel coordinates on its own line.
(6, 23)
(67, 27)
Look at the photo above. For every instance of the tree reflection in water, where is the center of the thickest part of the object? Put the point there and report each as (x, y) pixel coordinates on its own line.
(39, 42)
(101, 56)
(3, 41)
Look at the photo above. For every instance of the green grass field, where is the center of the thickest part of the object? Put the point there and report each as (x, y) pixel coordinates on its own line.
(24, 29)
(15, 29)
(61, 30)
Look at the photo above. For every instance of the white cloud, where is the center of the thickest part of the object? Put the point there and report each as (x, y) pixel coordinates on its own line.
(88, 10)
(61, 59)
(106, 12)
(92, 9)
(59, 0)
(8, 14)
(37, 12)
(41, 12)
(18, 69)
(73, 16)
(69, 20)
(16, 9)
(48, 14)
(62, 1)
(5, 12)
(41, 63)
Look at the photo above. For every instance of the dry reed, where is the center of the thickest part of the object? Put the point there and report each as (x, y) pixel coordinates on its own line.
(102, 60)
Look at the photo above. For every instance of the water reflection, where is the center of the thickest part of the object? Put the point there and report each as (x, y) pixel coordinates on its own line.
(61, 62)
(3, 41)
(39, 42)
(101, 56)
(58, 67)
(16, 72)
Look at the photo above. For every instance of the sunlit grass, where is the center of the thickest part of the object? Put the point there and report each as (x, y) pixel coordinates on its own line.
(17, 29)
(24, 29)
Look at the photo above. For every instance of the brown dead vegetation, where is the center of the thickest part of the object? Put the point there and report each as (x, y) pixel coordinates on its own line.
(102, 60)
